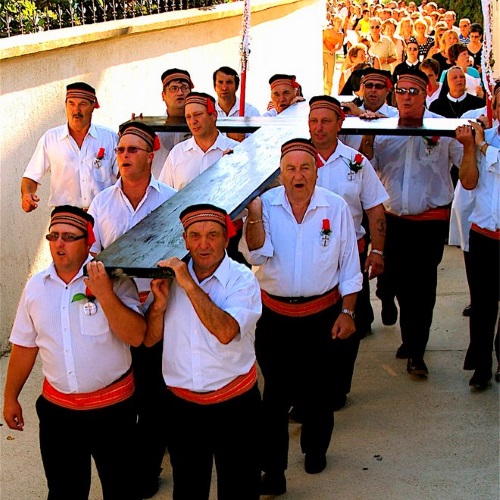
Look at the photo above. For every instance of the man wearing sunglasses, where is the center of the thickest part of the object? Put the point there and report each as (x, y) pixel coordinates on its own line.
(176, 85)
(79, 156)
(83, 329)
(382, 46)
(116, 210)
(416, 173)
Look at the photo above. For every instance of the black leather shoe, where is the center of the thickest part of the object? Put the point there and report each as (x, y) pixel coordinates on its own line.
(149, 488)
(295, 415)
(467, 310)
(339, 401)
(389, 312)
(417, 367)
(273, 484)
(480, 380)
(402, 352)
(314, 463)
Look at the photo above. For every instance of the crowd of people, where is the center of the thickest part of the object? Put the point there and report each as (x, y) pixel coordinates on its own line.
(119, 354)
(390, 33)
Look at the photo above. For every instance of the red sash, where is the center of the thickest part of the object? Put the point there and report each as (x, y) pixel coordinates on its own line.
(118, 391)
(494, 235)
(237, 387)
(439, 213)
(300, 307)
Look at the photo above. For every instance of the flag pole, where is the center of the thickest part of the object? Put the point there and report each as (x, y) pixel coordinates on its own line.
(244, 53)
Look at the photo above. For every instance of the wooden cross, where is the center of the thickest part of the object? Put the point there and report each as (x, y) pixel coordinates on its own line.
(232, 182)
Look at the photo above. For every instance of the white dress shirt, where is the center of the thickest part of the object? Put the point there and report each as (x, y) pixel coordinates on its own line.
(361, 190)
(486, 213)
(79, 353)
(167, 141)
(187, 160)
(293, 260)
(417, 178)
(114, 215)
(235, 110)
(193, 358)
(76, 174)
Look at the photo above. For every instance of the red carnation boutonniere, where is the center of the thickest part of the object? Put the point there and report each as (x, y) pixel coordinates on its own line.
(89, 308)
(430, 143)
(99, 156)
(355, 166)
(325, 232)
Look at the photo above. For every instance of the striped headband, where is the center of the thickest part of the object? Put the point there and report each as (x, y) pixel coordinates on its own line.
(177, 76)
(298, 145)
(204, 101)
(75, 221)
(378, 78)
(413, 79)
(285, 81)
(152, 142)
(326, 104)
(207, 215)
(82, 94)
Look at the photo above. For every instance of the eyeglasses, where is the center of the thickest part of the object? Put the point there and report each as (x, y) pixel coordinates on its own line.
(411, 91)
(378, 86)
(173, 89)
(131, 150)
(66, 237)
(374, 27)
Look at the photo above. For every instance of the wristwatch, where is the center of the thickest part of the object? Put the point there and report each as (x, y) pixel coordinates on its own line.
(348, 312)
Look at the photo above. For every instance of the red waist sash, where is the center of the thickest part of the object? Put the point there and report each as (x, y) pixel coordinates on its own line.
(236, 387)
(494, 235)
(118, 391)
(438, 213)
(300, 306)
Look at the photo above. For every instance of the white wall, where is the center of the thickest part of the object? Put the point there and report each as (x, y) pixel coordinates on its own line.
(124, 60)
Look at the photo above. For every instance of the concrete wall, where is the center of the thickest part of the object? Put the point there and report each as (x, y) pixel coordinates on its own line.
(123, 60)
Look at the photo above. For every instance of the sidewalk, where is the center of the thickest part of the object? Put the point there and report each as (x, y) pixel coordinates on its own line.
(397, 438)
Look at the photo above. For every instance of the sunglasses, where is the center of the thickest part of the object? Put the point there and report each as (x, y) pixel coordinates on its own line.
(378, 86)
(374, 27)
(410, 91)
(132, 150)
(66, 237)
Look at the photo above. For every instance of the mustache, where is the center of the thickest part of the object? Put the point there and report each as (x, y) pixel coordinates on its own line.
(77, 115)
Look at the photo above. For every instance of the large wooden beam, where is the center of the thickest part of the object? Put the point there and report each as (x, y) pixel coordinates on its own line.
(231, 182)
(351, 126)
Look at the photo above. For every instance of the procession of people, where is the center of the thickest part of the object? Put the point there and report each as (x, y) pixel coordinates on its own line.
(283, 291)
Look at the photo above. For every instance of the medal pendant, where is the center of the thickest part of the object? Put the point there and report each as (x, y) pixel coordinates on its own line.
(89, 309)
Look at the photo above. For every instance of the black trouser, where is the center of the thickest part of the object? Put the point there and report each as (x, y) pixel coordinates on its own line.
(152, 436)
(226, 432)
(484, 267)
(413, 251)
(68, 440)
(297, 358)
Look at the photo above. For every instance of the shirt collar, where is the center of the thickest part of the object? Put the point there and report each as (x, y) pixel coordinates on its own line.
(454, 99)
(51, 272)
(153, 183)
(236, 107)
(221, 274)
(65, 131)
